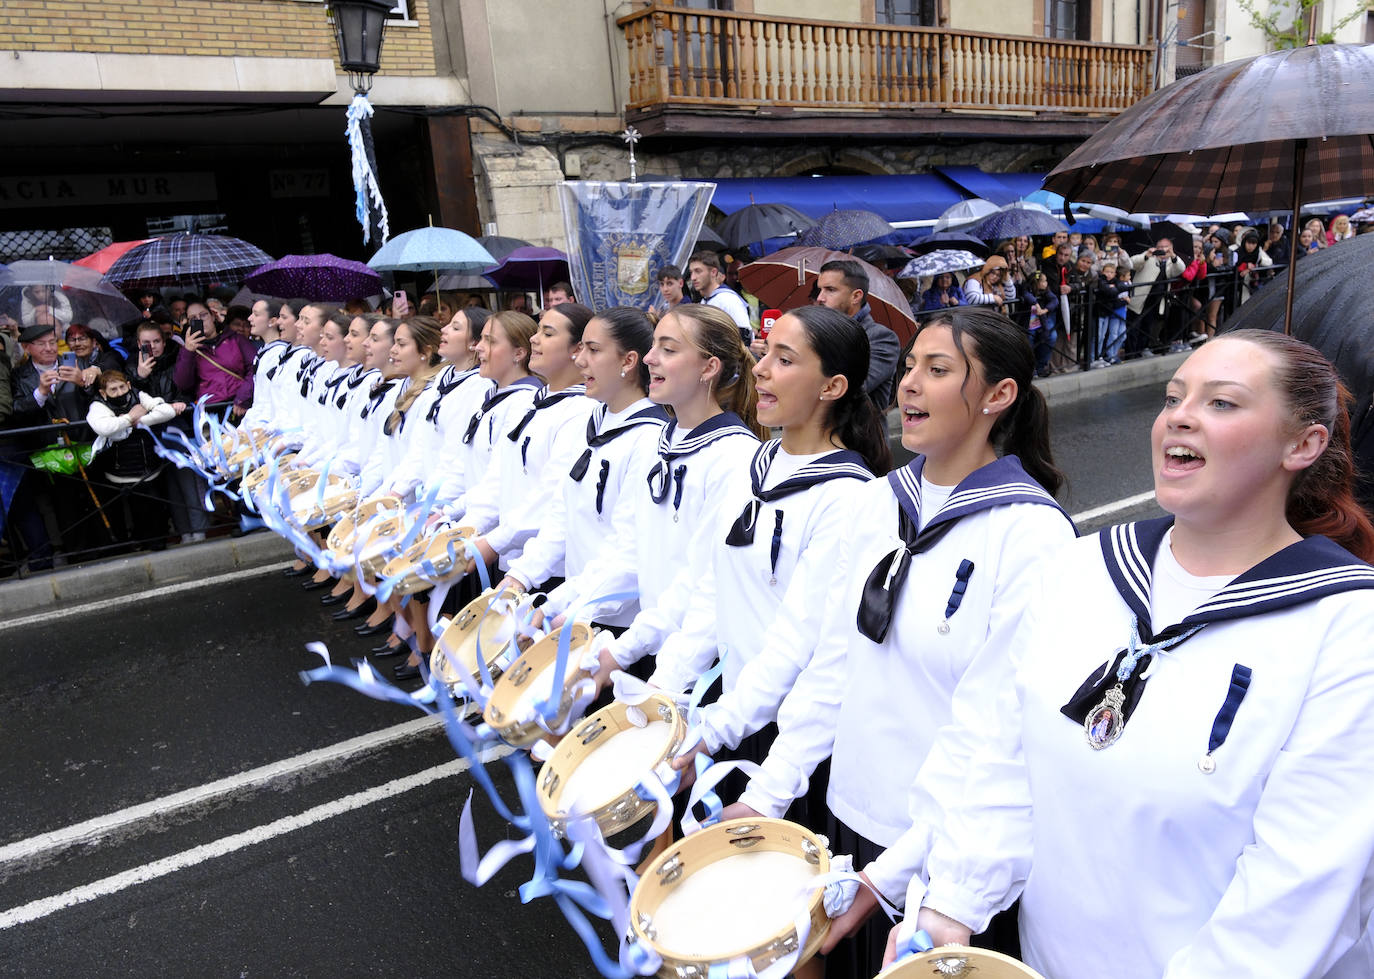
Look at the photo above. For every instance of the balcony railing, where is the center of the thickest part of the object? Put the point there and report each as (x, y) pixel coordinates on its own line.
(684, 57)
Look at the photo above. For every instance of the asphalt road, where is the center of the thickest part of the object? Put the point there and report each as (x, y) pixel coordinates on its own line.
(343, 863)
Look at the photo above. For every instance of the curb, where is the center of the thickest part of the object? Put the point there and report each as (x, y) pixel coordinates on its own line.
(1066, 388)
(131, 575)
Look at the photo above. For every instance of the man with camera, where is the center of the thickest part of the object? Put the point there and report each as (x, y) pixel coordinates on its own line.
(1154, 268)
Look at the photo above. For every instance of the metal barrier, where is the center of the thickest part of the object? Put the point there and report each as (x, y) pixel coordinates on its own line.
(53, 515)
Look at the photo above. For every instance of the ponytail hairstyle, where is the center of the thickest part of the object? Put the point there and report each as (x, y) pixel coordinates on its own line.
(1003, 350)
(577, 315)
(714, 333)
(296, 305)
(424, 330)
(518, 329)
(842, 346)
(633, 332)
(1321, 499)
(476, 318)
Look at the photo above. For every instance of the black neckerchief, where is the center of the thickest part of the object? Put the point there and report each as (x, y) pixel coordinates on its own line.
(1302, 572)
(544, 399)
(596, 438)
(265, 348)
(840, 464)
(999, 483)
(453, 379)
(285, 359)
(493, 399)
(664, 475)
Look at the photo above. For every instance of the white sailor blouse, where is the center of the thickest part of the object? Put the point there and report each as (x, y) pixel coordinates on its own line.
(617, 449)
(771, 547)
(941, 603)
(1226, 830)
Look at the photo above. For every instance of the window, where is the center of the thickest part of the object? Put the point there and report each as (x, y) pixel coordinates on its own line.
(1067, 20)
(907, 13)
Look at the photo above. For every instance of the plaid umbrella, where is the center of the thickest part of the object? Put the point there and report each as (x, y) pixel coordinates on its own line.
(430, 249)
(186, 259)
(938, 262)
(93, 301)
(759, 222)
(1258, 134)
(964, 213)
(102, 260)
(785, 279)
(845, 229)
(1016, 219)
(323, 276)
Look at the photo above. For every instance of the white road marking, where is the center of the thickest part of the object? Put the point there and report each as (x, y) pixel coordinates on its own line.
(93, 829)
(1113, 507)
(229, 844)
(122, 601)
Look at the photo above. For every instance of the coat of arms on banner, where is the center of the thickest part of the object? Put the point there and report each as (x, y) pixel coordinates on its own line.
(632, 267)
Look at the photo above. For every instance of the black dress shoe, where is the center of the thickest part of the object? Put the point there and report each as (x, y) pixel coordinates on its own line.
(363, 629)
(405, 671)
(295, 572)
(344, 614)
(332, 599)
(386, 650)
(313, 585)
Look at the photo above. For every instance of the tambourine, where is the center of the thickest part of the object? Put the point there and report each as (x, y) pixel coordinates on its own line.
(340, 539)
(383, 535)
(735, 890)
(956, 961)
(597, 767)
(430, 553)
(487, 625)
(254, 480)
(312, 509)
(530, 680)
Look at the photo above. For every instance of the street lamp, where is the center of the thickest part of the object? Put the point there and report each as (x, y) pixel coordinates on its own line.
(358, 29)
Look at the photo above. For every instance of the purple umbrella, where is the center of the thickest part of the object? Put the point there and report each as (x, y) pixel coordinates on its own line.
(529, 268)
(325, 277)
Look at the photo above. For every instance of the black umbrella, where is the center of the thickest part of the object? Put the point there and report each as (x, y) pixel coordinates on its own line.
(884, 256)
(501, 246)
(706, 238)
(941, 240)
(759, 222)
(1331, 312)
(1141, 239)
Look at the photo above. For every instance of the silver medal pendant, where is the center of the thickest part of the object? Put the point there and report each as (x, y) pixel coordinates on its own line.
(772, 579)
(943, 627)
(675, 518)
(1104, 723)
(1206, 764)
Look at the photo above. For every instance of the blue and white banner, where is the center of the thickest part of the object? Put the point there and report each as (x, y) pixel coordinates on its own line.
(621, 234)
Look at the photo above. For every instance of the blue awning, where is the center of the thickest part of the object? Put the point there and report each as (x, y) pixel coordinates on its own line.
(1000, 188)
(915, 197)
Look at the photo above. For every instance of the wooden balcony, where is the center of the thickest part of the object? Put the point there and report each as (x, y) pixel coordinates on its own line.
(699, 71)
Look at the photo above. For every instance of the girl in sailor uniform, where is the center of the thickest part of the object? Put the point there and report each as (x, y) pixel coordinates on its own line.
(326, 419)
(942, 557)
(699, 369)
(1177, 781)
(619, 445)
(455, 396)
(262, 325)
(311, 371)
(503, 358)
(530, 459)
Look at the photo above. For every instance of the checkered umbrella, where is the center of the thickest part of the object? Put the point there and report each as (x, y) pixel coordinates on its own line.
(1264, 133)
(845, 229)
(187, 259)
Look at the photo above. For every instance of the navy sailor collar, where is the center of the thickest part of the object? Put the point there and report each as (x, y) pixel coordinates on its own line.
(711, 430)
(596, 438)
(447, 383)
(1304, 571)
(840, 464)
(999, 483)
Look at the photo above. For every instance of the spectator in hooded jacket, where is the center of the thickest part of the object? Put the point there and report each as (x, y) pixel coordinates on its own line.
(121, 418)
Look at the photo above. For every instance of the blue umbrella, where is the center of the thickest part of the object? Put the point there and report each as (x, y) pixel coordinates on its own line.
(939, 262)
(844, 229)
(1017, 219)
(430, 249)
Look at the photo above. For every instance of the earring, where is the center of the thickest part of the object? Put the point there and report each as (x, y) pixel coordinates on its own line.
(622, 373)
(986, 412)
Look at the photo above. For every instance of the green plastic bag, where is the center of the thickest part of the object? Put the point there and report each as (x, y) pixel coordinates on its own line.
(63, 459)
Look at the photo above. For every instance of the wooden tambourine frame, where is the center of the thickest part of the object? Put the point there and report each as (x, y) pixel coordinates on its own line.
(514, 682)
